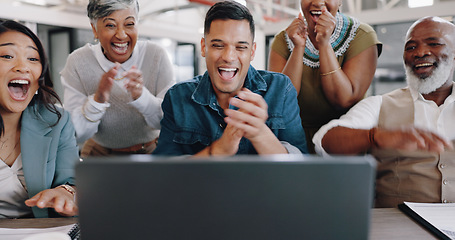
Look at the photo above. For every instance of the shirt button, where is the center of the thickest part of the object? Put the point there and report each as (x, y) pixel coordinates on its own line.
(442, 166)
(445, 182)
(444, 201)
(221, 125)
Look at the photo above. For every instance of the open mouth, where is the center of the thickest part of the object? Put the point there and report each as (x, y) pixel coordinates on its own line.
(315, 14)
(227, 73)
(18, 89)
(120, 48)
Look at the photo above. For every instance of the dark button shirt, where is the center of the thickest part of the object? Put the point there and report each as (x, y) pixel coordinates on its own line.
(193, 119)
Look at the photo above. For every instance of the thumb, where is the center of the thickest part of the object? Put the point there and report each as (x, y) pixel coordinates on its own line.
(300, 16)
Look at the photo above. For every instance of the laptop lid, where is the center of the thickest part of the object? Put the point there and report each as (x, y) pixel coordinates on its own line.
(241, 197)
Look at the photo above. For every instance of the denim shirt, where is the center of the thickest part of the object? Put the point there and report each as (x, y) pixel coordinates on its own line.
(193, 119)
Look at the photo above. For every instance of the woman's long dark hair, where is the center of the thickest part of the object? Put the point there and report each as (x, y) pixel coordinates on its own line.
(46, 95)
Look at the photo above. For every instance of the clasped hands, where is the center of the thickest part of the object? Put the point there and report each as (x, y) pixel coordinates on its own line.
(134, 84)
(248, 121)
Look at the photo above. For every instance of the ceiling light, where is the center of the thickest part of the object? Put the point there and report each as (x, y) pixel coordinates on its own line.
(419, 3)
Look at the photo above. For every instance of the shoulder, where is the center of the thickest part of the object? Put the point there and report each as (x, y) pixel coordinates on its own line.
(364, 27)
(185, 87)
(38, 112)
(275, 79)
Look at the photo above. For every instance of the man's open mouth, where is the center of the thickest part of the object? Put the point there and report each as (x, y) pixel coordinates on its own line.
(227, 73)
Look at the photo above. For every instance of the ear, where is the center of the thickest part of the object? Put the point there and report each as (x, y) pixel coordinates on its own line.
(253, 51)
(202, 47)
(94, 31)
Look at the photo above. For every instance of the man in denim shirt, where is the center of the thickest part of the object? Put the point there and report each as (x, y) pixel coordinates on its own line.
(232, 108)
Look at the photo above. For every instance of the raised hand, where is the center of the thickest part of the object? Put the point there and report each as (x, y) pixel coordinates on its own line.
(298, 31)
(135, 83)
(105, 85)
(324, 27)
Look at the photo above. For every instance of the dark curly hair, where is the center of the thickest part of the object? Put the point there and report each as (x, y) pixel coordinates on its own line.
(46, 94)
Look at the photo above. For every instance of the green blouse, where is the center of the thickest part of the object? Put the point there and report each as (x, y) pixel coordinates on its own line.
(315, 109)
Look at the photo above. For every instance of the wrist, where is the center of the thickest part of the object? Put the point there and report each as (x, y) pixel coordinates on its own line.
(69, 189)
(371, 138)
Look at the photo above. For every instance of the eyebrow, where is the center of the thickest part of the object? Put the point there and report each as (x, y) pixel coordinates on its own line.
(239, 42)
(111, 19)
(12, 44)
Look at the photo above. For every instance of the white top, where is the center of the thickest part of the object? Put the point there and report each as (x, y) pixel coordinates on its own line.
(13, 191)
(365, 115)
(148, 105)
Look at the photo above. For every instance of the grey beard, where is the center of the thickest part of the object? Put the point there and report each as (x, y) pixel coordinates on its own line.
(431, 83)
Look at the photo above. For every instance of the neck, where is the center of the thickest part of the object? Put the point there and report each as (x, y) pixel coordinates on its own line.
(439, 95)
(11, 123)
(223, 99)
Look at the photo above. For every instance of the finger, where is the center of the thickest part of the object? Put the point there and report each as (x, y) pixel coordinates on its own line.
(301, 16)
(45, 201)
(59, 204)
(240, 125)
(246, 95)
(245, 121)
(249, 108)
(113, 71)
(31, 202)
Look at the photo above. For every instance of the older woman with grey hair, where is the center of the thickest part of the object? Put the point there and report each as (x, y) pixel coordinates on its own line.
(114, 89)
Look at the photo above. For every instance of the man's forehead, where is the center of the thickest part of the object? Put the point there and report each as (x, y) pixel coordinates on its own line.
(428, 30)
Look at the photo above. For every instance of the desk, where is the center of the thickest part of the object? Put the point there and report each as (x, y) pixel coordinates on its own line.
(36, 222)
(391, 223)
(386, 223)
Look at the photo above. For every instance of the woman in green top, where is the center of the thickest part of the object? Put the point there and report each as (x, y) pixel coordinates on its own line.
(339, 56)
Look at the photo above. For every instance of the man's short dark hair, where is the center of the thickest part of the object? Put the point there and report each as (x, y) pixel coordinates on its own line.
(228, 10)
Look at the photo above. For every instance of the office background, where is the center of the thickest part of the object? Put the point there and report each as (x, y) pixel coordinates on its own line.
(177, 25)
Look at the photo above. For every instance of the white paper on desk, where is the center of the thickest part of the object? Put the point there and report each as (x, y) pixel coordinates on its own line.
(440, 215)
(21, 233)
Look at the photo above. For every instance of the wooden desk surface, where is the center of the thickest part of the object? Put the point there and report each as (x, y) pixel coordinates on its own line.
(391, 223)
(386, 223)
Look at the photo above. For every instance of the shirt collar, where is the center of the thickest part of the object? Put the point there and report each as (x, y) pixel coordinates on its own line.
(416, 96)
(106, 64)
(205, 95)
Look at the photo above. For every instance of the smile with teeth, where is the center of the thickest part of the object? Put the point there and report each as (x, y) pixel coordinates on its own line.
(18, 89)
(423, 65)
(120, 48)
(227, 73)
(318, 12)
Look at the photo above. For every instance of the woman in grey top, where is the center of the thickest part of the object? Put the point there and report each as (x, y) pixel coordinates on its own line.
(114, 89)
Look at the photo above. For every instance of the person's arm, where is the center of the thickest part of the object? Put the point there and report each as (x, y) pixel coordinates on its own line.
(86, 111)
(342, 140)
(149, 103)
(347, 84)
(292, 67)
(60, 198)
(364, 115)
(250, 118)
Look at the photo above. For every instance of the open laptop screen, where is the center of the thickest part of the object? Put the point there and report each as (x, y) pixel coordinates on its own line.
(241, 197)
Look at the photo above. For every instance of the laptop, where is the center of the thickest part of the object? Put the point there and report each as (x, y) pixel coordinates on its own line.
(240, 197)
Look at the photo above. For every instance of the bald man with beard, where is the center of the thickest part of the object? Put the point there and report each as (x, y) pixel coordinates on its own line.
(409, 131)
